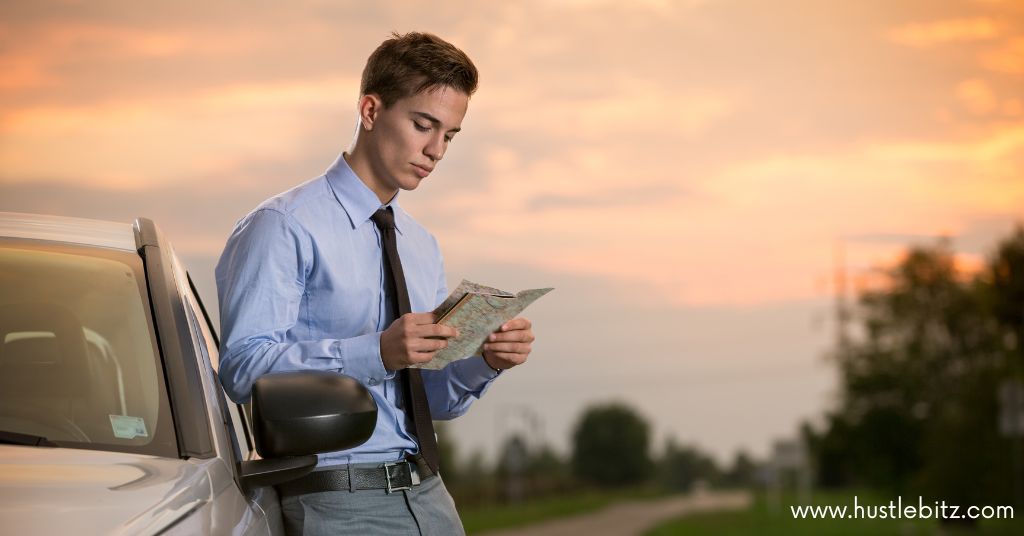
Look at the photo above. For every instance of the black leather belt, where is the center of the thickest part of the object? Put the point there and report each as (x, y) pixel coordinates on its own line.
(394, 476)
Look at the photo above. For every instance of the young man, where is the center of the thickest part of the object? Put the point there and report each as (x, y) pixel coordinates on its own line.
(334, 275)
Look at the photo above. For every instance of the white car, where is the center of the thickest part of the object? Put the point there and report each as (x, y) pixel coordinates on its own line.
(112, 420)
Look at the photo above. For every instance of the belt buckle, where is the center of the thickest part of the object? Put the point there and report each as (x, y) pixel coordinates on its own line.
(387, 475)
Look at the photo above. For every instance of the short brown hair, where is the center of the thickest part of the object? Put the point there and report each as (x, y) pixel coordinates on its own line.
(410, 63)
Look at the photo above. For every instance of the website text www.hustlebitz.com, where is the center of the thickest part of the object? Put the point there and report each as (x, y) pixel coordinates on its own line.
(900, 509)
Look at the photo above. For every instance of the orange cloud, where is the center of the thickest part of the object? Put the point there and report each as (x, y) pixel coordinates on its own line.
(929, 34)
(1000, 144)
(701, 180)
(43, 47)
(625, 107)
(1008, 58)
(977, 96)
(145, 42)
(751, 232)
(143, 143)
(22, 71)
(1013, 107)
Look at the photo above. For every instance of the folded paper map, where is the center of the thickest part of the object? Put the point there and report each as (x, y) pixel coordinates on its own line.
(476, 311)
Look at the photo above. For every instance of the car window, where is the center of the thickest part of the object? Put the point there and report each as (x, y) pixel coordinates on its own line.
(242, 443)
(79, 363)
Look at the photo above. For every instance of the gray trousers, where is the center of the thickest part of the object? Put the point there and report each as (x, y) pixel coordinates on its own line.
(426, 509)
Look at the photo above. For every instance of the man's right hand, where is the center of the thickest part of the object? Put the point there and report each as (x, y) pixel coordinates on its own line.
(407, 340)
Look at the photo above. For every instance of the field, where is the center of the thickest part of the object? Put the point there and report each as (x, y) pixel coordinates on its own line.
(761, 519)
(534, 511)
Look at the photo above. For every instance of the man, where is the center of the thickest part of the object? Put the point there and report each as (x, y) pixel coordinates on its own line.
(334, 275)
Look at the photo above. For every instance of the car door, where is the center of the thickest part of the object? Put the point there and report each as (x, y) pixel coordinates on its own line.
(255, 511)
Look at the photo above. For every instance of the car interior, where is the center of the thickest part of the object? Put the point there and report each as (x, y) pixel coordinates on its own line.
(58, 379)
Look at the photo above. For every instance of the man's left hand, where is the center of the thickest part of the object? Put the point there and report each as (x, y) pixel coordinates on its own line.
(510, 345)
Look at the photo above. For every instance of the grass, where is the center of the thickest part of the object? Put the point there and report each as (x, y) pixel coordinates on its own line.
(759, 519)
(528, 512)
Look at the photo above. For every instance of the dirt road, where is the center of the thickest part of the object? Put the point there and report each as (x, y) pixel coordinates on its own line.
(631, 518)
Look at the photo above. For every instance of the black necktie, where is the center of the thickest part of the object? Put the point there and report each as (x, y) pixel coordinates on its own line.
(416, 397)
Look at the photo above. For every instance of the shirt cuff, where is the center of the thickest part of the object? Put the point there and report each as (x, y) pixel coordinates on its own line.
(473, 372)
(360, 357)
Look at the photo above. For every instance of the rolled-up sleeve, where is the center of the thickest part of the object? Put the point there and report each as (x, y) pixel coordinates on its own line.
(452, 390)
(260, 283)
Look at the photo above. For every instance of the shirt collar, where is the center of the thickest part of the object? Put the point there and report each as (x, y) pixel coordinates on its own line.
(357, 199)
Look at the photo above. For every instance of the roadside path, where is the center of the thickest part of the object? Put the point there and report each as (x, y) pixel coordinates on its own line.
(632, 518)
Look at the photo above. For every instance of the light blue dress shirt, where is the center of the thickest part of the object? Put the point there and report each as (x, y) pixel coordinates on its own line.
(301, 286)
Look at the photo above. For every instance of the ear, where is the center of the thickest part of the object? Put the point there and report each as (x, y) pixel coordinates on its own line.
(369, 106)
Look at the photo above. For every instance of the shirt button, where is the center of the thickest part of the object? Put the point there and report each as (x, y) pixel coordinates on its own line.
(373, 381)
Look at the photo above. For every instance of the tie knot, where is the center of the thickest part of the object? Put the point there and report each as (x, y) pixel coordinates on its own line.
(384, 218)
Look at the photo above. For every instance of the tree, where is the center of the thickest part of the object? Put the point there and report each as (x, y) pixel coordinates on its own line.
(919, 407)
(683, 466)
(742, 473)
(611, 446)
(448, 454)
(512, 466)
(911, 356)
(1006, 278)
(532, 471)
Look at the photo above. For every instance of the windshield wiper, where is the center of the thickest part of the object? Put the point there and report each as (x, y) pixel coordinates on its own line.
(14, 438)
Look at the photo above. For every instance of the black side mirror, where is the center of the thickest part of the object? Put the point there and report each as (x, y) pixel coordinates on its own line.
(309, 412)
(296, 415)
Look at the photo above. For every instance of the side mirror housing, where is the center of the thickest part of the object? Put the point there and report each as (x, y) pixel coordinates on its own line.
(296, 415)
(309, 412)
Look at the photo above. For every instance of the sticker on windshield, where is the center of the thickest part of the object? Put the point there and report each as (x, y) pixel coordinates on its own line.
(126, 427)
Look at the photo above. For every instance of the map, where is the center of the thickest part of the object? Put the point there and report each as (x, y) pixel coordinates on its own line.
(476, 311)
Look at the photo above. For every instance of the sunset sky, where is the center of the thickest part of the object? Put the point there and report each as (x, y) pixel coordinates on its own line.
(684, 173)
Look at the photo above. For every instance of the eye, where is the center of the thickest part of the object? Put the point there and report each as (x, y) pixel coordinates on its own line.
(420, 127)
(448, 139)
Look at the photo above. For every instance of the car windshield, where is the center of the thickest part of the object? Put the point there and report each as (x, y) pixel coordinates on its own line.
(79, 363)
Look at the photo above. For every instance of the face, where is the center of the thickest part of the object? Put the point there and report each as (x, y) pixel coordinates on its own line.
(409, 138)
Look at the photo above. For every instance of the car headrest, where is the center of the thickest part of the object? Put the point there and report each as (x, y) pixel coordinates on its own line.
(43, 351)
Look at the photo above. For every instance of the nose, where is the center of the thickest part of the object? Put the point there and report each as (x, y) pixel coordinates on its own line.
(435, 149)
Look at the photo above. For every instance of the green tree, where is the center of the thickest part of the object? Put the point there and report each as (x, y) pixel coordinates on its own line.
(449, 461)
(905, 365)
(1006, 299)
(683, 466)
(742, 472)
(549, 473)
(611, 446)
(919, 408)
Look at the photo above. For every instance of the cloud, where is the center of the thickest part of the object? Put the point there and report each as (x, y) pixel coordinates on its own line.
(1008, 58)
(977, 96)
(594, 344)
(900, 239)
(656, 6)
(635, 195)
(772, 220)
(679, 171)
(22, 72)
(619, 108)
(1003, 143)
(941, 32)
(149, 142)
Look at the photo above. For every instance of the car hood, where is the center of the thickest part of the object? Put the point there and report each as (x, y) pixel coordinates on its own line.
(47, 490)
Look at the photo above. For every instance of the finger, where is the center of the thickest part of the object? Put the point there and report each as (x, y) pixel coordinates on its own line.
(428, 345)
(508, 347)
(418, 358)
(436, 330)
(511, 336)
(516, 323)
(510, 359)
(419, 319)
